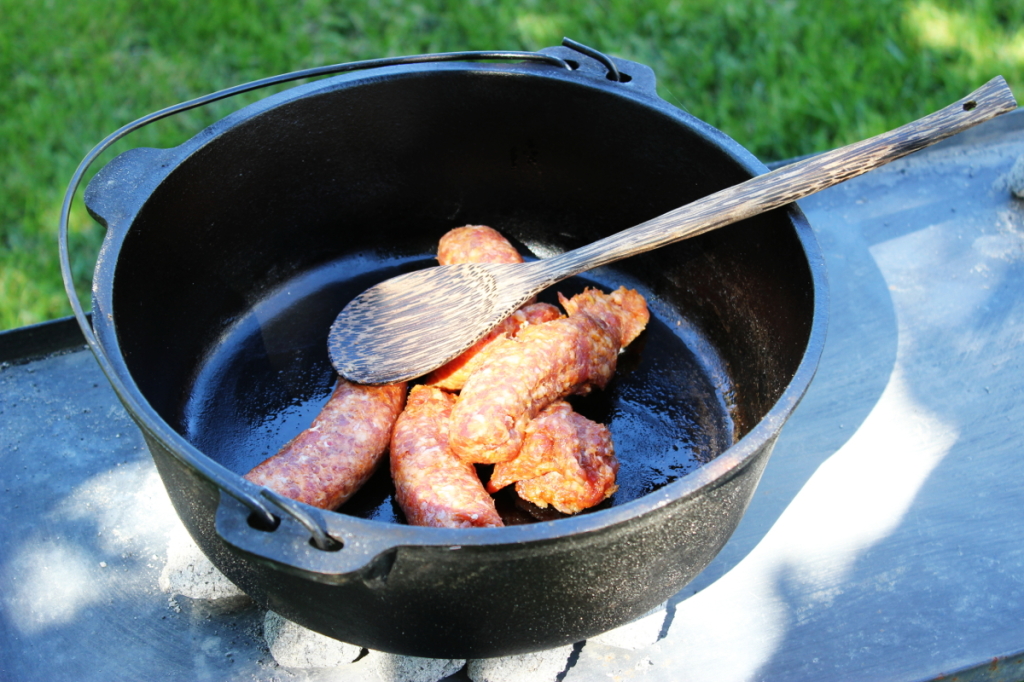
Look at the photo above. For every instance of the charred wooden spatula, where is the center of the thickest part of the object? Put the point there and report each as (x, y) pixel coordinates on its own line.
(409, 325)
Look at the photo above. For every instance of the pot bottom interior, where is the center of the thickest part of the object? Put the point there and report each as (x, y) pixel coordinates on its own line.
(669, 405)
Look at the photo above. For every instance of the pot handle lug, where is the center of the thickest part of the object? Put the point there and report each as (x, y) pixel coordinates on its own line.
(351, 552)
(587, 61)
(112, 196)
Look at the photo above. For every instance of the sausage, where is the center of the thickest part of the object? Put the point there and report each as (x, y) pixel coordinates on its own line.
(567, 461)
(452, 376)
(475, 244)
(327, 463)
(482, 244)
(432, 486)
(623, 309)
(543, 363)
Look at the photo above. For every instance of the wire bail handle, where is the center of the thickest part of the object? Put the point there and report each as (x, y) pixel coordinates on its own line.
(223, 478)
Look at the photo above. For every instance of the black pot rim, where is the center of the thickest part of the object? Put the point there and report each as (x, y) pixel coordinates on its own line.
(710, 475)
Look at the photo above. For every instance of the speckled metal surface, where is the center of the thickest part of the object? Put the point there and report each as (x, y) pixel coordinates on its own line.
(84, 537)
(883, 542)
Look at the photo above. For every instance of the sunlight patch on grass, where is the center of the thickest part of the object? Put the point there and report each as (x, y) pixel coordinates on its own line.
(934, 26)
(541, 29)
(948, 29)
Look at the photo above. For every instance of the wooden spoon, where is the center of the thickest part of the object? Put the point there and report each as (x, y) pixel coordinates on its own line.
(411, 324)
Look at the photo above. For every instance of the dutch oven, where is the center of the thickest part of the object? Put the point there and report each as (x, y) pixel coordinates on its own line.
(226, 259)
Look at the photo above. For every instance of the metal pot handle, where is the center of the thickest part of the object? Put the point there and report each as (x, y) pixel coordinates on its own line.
(326, 547)
(106, 209)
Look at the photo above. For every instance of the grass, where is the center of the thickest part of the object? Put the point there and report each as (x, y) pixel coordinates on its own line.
(782, 77)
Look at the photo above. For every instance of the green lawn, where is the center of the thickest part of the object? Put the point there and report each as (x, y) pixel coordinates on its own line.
(783, 77)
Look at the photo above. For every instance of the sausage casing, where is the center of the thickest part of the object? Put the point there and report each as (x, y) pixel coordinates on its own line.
(543, 363)
(623, 312)
(433, 486)
(453, 375)
(327, 463)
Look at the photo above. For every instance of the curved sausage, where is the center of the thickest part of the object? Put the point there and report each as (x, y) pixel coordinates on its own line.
(432, 486)
(544, 362)
(567, 461)
(327, 463)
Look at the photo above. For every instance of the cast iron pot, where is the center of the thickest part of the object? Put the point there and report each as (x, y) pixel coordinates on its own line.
(226, 259)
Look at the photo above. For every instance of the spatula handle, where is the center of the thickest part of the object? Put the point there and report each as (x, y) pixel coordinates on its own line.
(790, 182)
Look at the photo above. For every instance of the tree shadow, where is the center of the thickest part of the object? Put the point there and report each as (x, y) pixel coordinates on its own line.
(900, 559)
(862, 325)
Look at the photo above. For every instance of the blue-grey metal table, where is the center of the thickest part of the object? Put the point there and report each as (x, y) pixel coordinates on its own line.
(885, 542)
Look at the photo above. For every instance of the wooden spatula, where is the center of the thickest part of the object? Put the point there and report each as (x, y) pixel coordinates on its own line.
(409, 325)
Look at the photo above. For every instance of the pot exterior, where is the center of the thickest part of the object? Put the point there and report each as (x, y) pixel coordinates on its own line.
(756, 292)
(469, 601)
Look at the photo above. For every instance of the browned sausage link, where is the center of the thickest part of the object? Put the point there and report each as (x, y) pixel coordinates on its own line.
(566, 461)
(452, 376)
(475, 244)
(432, 486)
(482, 244)
(327, 463)
(522, 375)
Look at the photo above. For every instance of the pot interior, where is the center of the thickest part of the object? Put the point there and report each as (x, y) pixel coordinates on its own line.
(668, 405)
(230, 274)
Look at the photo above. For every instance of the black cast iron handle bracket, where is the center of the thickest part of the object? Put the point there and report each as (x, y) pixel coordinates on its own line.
(287, 543)
(613, 71)
(355, 550)
(251, 496)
